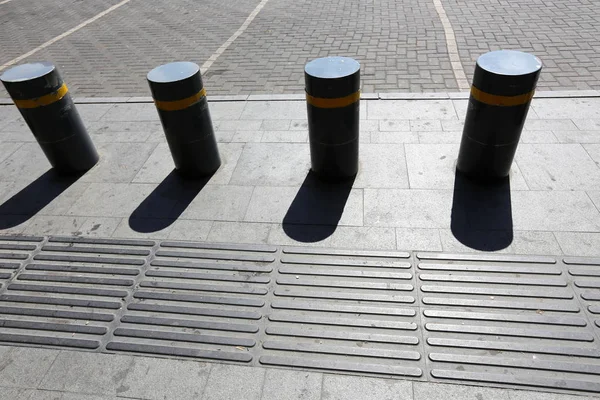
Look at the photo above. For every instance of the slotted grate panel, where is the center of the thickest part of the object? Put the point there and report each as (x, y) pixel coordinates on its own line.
(585, 275)
(344, 310)
(199, 300)
(69, 293)
(505, 320)
(14, 251)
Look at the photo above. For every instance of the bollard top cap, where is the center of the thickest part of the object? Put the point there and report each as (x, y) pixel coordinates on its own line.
(173, 72)
(26, 72)
(332, 67)
(509, 62)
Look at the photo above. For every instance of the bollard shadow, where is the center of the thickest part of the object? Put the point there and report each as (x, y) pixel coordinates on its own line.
(316, 203)
(482, 213)
(34, 197)
(166, 203)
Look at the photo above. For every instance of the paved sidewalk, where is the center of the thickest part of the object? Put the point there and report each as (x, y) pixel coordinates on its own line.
(405, 197)
(43, 374)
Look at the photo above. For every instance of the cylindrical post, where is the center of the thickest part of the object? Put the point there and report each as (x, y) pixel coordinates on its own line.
(180, 99)
(503, 86)
(333, 99)
(43, 99)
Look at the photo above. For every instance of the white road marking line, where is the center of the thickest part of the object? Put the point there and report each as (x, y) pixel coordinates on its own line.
(237, 33)
(63, 35)
(457, 68)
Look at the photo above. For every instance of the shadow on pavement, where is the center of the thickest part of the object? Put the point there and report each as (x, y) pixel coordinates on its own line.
(166, 203)
(316, 203)
(34, 197)
(482, 213)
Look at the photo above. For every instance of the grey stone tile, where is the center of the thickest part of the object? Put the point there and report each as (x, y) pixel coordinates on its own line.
(340, 387)
(395, 137)
(239, 232)
(595, 196)
(120, 129)
(230, 154)
(21, 137)
(61, 204)
(578, 136)
(272, 164)
(157, 379)
(538, 137)
(587, 124)
(344, 237)
(394, 125)
(226, 110)
(234, 382)
(9, 113)
(549, 125)
(145, 228)
(408, 208)
(99, 226)
(240, 125)
(299, 125)
(594, 151)
(418, 239)
(555, 211)
(275, 125)
(382, 166)
(539, 243)
(440, 137)
(224, 136)
(275, 110)
(129, 112)
(119, 162)
(27, 162)
(111, 199)
(461, 108)
(284, 137)
(55, 395)
(55, 225)
(579, 243)
(435, 391)
(219, 203)
(557, 167)
(83, 372)
(247, 136)
(411, 109)
(192, 230)
(158, 165)
(24, 367)
(14, 224)
(7, 148)
(433, 166)
(368, 125)
(530, 395)
(567, 108)
(93, 112)
(453, 125)
(425, 125)
(283, 384)
(313, 205)
(487, 241)
(7, 393)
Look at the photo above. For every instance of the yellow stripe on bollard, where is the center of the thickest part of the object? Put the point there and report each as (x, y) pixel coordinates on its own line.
(182, 104)
(333, 103)
(44, 100)
(505, 101)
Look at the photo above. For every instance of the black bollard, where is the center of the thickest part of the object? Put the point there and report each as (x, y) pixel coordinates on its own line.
(333, 99)
(503, 86)
(44, 101)
(180, 99)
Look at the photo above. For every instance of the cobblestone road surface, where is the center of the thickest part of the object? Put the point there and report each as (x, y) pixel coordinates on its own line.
(401, 44)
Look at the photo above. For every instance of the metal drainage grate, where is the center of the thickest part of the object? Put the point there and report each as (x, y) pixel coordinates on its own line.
(14, 251)
(505, 320)
(199, 300)
(585, 273)
(344, 310)
(71, 291)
